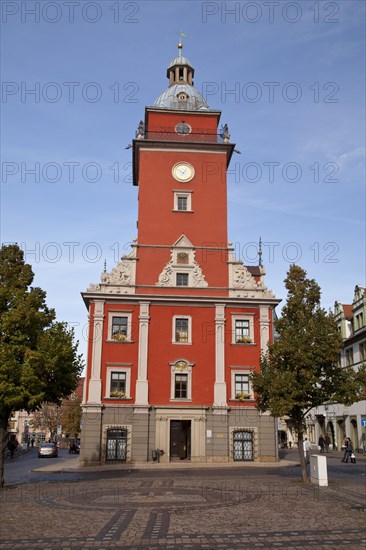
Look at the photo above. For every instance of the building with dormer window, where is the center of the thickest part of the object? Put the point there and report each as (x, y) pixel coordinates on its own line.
(177, 326)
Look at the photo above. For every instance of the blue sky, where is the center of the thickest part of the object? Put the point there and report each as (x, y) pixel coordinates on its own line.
(289, 78)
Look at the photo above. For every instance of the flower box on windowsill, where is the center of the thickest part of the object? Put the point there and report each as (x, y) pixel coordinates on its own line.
(242, 396)
(117, 394)
(244, 340)
(119, 337)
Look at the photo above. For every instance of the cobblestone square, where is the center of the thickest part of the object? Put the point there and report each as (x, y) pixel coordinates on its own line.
(242, 507)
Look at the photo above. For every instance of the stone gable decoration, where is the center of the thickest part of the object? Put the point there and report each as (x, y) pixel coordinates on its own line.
(121, 280)
(242, 284)
(182, 249)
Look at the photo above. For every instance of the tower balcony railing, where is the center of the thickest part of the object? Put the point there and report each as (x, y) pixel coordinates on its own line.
(192, 137)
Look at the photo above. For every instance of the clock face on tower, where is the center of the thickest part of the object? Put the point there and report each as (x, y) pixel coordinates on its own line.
(183, 171)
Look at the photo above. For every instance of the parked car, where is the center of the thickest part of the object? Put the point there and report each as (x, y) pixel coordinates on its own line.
(47, 449)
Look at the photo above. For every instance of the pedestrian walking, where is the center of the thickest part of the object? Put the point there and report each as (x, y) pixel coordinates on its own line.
(348, 451)
(321, 443)
(32, 442)
(327, 443)
(12, 445)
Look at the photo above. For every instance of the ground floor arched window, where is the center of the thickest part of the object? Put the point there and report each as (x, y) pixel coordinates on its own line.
(243, 445)
(116, 445)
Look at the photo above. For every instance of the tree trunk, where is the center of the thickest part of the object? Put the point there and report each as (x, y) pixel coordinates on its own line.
(304, 473)
(3, 442)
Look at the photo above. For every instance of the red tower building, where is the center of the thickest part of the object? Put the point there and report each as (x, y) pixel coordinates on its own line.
(177, 326)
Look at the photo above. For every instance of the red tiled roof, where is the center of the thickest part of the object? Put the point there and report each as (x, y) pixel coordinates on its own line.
(347, 310)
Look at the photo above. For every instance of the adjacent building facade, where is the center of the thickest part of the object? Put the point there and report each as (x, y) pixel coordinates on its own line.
(177, 326)
(21, 428)
(336, 420)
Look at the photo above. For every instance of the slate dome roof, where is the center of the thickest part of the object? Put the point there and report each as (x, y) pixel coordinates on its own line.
(169, 99)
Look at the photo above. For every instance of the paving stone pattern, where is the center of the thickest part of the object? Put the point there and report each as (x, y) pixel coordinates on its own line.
(213, 509)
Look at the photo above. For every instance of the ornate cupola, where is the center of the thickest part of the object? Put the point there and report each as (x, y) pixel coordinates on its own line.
(180, 70)
(181, 93)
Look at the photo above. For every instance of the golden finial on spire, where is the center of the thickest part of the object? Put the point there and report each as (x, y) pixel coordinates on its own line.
(180, 45)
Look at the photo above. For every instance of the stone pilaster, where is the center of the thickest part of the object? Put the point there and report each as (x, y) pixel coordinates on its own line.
(142, 385)
(92, 419)
(220, 384)
(95, 383)
(264, 323)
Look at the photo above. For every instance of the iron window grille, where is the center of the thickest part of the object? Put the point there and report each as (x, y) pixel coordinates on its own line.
(243, 446)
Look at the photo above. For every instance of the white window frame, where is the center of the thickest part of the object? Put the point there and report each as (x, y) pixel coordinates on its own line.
(181, 273)
(241, 370)
(181, 366)
(242, 317)
(187, 195)
(189, 318)
(119, 313)
(122, 369)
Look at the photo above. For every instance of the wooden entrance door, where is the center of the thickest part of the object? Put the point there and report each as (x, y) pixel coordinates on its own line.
(180, 440)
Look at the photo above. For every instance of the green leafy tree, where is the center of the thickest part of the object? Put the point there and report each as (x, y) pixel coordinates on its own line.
(71, 416)
(301, 369)
(39, 361)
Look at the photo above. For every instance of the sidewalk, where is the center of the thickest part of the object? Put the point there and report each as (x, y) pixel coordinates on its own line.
(73, 465)
(288, 457)
(292, 455)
